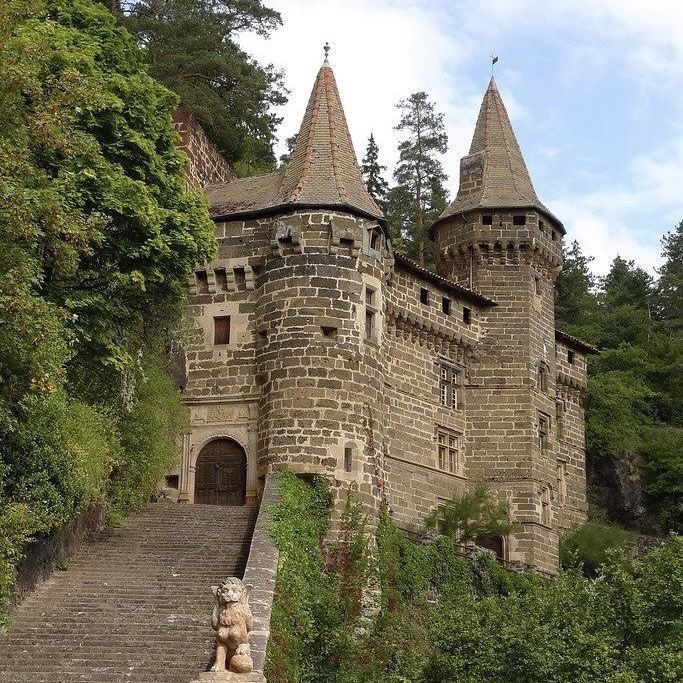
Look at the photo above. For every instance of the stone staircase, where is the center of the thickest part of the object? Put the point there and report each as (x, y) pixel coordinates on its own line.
(135, 604)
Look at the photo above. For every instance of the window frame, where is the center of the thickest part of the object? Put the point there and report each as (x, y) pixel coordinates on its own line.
(371, 311)
(215, 330)
(449, 446)
(543, 434)
(451, 385)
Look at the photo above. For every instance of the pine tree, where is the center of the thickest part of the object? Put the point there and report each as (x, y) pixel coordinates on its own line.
(669, 287)
(419, 173)
(192, 48)
(372, 173)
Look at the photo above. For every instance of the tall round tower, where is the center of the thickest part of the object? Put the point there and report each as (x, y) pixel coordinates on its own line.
(500, 240)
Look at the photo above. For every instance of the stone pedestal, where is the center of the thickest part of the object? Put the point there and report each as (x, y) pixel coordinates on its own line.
(230, 677)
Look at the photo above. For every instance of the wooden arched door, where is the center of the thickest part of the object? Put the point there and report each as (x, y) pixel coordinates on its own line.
(221, 474)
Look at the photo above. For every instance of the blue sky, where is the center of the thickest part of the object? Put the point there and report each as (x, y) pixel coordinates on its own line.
(594, 90)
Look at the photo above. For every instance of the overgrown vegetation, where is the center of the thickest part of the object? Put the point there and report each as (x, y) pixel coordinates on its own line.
(97, 238)
(443, 618)
(635, 392)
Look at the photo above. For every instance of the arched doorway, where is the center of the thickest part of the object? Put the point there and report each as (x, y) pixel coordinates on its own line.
(221, 474)
(494, 543)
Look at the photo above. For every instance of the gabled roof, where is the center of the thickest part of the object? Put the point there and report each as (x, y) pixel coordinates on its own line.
(575, 342)
(506, 183)
(322, 172)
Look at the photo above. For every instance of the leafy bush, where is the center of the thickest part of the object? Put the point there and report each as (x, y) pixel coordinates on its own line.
(589, 544)
(150, 435)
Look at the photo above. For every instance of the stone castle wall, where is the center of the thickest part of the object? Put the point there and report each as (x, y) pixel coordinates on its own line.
(205, 162)
(301, 386)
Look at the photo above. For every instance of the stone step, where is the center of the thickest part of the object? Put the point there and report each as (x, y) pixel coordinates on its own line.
(134, 604)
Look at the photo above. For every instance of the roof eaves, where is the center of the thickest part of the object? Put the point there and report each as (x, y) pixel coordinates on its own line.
(575, 342)
(415, 268)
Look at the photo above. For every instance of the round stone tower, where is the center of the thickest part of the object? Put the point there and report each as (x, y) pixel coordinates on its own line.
(319, 313)
(500, 240)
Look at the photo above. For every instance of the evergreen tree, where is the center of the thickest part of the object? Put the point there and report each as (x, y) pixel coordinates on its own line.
(669, 289)
(372, 173)
(192, 48)
(419, 173)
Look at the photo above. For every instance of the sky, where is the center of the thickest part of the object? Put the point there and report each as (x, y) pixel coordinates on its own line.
(594, 90)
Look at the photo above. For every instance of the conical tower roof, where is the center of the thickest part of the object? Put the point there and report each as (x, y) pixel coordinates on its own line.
(322, 172)
(505, 181)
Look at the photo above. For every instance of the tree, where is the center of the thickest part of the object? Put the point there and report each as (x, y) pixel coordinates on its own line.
(375, 183)
(419, 173)
(669, 287)
(192, 48)
(471, 516)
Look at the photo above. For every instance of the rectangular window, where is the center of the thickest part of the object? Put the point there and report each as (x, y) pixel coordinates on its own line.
(202, 282)
(451, 387)
(221, 330)
(553, 235)
(570, 357)
(537, 286)
(487, 219)
(348, 459)
(545, 506)
(449, 450)
(467, 315)
(559, 419)
(370, 312)
(519, 219)
(541, 226)
(543, 432)
(424, 296)
(562, 482)
(446, 305)
(376, 239)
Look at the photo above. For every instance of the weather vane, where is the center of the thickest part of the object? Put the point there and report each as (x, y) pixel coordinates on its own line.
(494, 59)
(327, 49)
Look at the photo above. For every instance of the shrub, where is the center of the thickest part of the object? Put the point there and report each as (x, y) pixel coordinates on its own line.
(589, 544)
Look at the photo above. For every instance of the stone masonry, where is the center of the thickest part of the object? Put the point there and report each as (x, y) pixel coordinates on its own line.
(318, 349)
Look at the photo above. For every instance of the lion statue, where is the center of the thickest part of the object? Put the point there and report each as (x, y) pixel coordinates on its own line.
(232, 621)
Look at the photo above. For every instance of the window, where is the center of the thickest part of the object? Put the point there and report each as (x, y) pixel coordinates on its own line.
(537, 285)
(559, 419)
(545, 506)
(543, 377)
(553, 235)
(446, 305)
(543, 432)
(424, 296)
(519, 219)
(376, 239)
(487, 219)
(562, 482)
(541, 225)
(221, 330)
(467, 315)
(370, 312)
(448, 450)
(570, 357)
(202, 282)
(348, 458)
(451, 387)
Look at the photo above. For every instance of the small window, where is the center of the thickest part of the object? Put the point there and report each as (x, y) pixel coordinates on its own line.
(519, 219)
(348, 458)
(467, 315)
(570, 357)
(537, 286)
(449, 450)
(541, 226)
(553, 235)
(543, 377)
(545, 506)
(424, 296)
(370, 312)
(559, 419)
(202, 282)
(487, 219)
(562, 482)
(376, 239)
(446, 305)
(221, 330)
(543, 432)
(452, 381)
(328, 331)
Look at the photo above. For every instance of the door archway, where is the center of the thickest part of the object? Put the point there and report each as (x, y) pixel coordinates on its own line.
(221, 474)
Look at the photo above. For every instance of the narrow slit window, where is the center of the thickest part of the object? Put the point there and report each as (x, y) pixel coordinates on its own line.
(467, 316)
(541, 226)
(370, 312)
(424, 296)
(537, 286)
(446, 305)
(543, 432)
(202, 282)
(221, 330)
(348, 459)
(553, 235)
(562, 482)
(570, 357)
(545, 506)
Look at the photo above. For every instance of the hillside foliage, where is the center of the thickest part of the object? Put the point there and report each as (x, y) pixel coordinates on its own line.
(97, 238)
(443, 618)
(635, 390)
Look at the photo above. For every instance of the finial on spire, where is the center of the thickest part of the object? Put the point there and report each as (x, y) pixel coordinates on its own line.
(494, 59)
(327, 49)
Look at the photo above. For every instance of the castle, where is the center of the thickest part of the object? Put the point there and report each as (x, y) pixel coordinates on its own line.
(317, 348)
